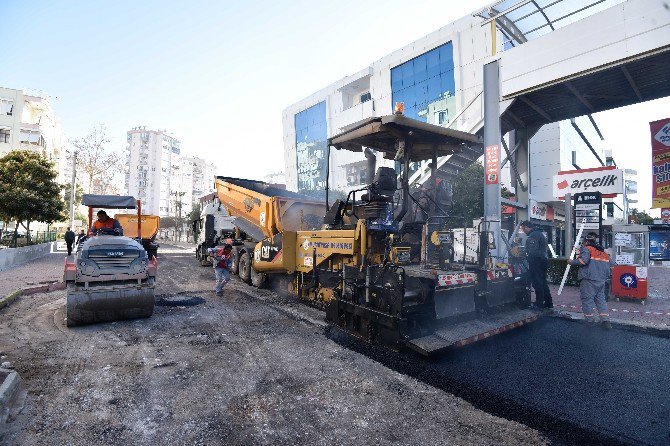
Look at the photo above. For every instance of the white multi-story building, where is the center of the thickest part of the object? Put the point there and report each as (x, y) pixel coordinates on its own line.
(27, 122)
(153, 163)
(161, 176)
(204, 175)
(439, 78)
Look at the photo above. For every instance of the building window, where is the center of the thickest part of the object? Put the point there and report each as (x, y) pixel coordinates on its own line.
(6, 107)
(5, 135)
(442, 117)
(310, 142)
(365, 97)
(426, 86)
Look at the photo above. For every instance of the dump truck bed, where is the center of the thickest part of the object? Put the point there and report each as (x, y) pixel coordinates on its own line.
(264, 210)
(150, 225)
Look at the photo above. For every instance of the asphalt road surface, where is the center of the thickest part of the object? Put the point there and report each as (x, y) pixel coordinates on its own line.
(583, 384)
(246, 368)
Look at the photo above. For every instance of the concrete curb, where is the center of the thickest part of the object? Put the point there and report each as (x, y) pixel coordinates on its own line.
(9, 391)
(642, 327)
(48, 288)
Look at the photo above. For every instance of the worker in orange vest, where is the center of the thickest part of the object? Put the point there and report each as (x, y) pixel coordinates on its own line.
(103, 222)
(594, 272)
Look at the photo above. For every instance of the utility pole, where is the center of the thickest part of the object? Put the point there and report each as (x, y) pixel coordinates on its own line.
(73, 188)
(177, 208)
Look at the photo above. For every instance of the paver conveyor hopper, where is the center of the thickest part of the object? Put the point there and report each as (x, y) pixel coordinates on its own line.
(110, 277)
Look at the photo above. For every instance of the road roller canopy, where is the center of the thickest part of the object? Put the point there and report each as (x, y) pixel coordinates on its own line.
(383, 134)
(109, 201)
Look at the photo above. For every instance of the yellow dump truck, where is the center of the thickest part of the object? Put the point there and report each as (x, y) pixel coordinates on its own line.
(379, 275)
(149, 227)
(264, 212)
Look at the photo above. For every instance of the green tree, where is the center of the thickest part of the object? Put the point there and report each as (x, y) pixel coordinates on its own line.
(194, 216)
(78, 193)
(469, 193)
(168, 222)
(641, 217)
(29, 191)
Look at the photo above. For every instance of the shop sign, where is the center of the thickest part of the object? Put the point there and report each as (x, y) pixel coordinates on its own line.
(492, 161)
(665, 215)
(607, 180)
(588, 211)
(537, 210)
(660, 154)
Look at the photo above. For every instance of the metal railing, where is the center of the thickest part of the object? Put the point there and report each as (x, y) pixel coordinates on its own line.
(9, 240)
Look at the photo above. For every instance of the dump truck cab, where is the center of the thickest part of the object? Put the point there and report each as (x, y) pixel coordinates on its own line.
(110, 277)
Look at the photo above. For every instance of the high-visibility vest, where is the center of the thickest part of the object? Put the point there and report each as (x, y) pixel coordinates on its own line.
(598, 256)
(109, 224)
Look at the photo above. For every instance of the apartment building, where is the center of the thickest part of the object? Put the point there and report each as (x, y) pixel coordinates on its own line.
(27, 122)
(158, 173)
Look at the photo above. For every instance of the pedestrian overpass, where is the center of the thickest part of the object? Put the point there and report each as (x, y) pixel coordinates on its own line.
(549, 71)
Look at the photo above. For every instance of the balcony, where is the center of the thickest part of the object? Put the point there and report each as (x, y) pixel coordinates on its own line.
(353, 114)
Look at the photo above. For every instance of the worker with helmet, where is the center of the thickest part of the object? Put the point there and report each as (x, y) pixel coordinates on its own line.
(594, 272)
(106, 224)
(222, 261)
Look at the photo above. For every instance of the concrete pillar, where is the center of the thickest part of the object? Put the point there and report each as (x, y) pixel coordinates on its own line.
(521, 158)
(492, 206)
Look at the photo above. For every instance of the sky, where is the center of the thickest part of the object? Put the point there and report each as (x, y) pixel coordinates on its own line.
(217, 74)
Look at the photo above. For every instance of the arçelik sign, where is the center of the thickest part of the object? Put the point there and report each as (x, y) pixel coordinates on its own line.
(607, 180)
(660, 154)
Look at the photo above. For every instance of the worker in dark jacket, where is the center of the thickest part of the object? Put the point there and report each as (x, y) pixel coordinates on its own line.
(538, 263)
(69, 240)
(594, 272)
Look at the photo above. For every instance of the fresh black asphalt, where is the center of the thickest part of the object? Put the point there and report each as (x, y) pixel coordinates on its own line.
(579, 384)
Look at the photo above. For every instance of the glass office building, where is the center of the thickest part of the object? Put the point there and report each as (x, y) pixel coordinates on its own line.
(310, 142)
(426, 86)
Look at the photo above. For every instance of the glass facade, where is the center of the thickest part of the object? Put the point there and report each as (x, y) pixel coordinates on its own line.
(310, 142)
(426, 86)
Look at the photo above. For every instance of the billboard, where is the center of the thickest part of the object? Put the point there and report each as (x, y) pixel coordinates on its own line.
(659, 245)
(607, 180)
(660, 161)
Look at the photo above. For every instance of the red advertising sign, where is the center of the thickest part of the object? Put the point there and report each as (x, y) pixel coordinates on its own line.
(492, 167)
(665, 215)
(660, 153)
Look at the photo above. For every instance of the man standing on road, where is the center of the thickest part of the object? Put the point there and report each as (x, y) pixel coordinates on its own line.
(221, 259)
(538, 263)
(69, 240)
(80, 236)
(594, 271)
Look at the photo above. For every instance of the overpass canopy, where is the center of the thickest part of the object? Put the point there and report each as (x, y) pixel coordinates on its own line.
(523, 20)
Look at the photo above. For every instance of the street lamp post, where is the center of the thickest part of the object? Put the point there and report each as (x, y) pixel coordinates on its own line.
(73, 187)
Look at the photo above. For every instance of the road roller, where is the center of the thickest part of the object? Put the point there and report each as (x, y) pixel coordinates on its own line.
(110, 277)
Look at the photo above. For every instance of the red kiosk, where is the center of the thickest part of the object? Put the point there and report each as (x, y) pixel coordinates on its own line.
(629, 276)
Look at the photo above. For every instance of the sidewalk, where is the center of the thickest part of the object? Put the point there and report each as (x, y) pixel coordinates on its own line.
(655, 311)
(42, 271)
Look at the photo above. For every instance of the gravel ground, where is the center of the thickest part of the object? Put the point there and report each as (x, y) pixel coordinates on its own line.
(248, 368)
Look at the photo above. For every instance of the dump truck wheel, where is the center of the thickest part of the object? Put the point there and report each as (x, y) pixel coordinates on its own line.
(245, 267)
(257, 279)
(235, 267)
